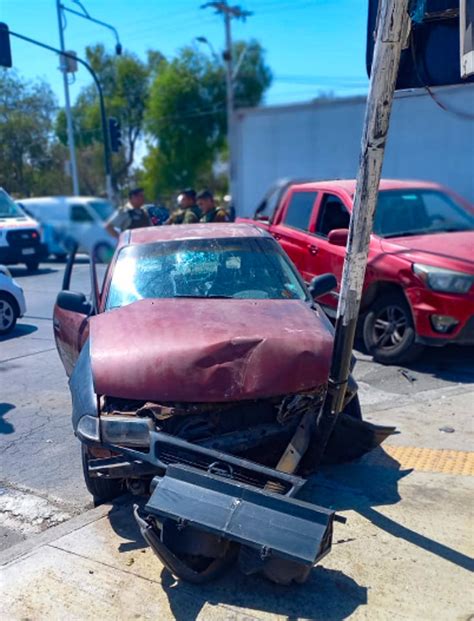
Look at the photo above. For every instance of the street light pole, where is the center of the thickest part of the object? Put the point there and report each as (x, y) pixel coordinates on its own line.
(230, 104)
(70, 129)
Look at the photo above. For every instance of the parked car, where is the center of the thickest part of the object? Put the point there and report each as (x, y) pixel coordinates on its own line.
(418, 286)
(12, 301)
(70, 220)
(201, 364)
(20, 235)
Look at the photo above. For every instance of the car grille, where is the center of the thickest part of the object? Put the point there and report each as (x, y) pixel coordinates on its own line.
(23, 237)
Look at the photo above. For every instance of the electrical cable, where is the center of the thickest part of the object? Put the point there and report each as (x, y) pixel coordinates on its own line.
(459, 113)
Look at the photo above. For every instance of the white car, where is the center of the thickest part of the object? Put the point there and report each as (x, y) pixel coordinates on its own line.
(12, 301)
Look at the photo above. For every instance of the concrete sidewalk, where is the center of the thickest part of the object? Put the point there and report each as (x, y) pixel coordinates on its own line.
(405, 552)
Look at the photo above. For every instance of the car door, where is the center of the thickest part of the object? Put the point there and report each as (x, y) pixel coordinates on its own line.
(332, 213)
(71, 315)
(82, 223)
(292, 230)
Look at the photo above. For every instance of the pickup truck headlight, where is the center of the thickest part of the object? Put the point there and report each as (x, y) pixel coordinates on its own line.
(447, 281)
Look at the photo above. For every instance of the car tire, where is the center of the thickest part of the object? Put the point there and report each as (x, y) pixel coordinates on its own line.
(102, 489)
(32, 265)
(8, 314)
(388, 330)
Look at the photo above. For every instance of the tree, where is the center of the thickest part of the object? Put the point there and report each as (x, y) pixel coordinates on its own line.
(31, 161)
(125, 84)
(186, 115)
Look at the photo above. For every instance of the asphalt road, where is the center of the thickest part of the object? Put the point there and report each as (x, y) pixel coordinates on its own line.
(40, 470)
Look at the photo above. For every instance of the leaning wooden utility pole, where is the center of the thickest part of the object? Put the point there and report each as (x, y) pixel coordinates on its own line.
(392, 32)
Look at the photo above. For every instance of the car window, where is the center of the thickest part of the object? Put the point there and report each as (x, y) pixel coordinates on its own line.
(103, 209)
(419, 212)
(9, 209)
(299, 210)
(246, 268)
(333, 214)
(80, 214)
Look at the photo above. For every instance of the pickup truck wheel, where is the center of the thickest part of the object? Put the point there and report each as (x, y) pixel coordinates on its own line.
(8, 314)
(388, 331)
(102, 489)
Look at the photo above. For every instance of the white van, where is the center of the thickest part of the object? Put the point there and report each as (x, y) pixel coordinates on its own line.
(20, 235)
(72, 219)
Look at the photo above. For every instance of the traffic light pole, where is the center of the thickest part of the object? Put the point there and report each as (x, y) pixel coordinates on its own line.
(67, 106)
(392, 31)
(105, 133)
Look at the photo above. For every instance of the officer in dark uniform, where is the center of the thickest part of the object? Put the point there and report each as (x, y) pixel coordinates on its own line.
(211, 212)
(133, 216)
(188, 212)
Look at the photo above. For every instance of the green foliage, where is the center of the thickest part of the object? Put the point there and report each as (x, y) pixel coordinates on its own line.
(31, 162)
(186, 113)
(125, 84)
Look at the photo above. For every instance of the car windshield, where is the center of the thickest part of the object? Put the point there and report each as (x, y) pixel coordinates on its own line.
(419, 212)
(103, 209)
(246, 268)
(9, 209)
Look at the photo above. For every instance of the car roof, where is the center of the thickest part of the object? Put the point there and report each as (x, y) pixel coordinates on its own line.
(60, 199)
(349, 185)
(190, 231)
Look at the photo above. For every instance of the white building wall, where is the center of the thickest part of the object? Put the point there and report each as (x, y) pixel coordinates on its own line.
(321, 140)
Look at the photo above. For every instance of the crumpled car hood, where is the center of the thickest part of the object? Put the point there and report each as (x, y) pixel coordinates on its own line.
(209, 350)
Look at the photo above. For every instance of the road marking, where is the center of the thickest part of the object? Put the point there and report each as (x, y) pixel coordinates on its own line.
(423, 459)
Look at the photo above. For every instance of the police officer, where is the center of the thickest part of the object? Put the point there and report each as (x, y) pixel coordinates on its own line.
(211, 212)
(188, 212)
(132, 216)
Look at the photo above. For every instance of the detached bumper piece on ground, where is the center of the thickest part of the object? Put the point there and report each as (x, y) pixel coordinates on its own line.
(211, 509)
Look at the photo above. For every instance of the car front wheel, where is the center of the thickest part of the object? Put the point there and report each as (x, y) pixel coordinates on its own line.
(8, 314)
(102, 489)
(388, 330)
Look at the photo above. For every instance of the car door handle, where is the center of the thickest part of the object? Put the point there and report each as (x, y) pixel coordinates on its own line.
(56, 324)
(312, 249)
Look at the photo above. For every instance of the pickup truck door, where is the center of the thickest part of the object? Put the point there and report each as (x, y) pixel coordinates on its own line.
(71, 327)
(292, 227)
(332, 213)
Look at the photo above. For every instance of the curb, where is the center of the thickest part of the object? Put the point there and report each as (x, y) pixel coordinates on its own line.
(25, 548)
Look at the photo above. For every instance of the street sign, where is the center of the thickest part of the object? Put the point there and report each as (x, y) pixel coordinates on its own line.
(432, 55)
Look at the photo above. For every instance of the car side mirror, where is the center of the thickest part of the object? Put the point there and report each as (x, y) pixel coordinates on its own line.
(338, 237)
(75, 302)
(320, 285)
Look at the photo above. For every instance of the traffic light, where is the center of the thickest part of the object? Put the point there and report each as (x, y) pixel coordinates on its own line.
(5, 50)
(115, 134)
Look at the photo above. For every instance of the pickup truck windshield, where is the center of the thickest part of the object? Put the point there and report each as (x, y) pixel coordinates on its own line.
(103, 209)
(419, 212)
(8, 209)
(249, 268)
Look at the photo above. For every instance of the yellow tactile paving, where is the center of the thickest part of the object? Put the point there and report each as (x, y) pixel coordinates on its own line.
(426, 459)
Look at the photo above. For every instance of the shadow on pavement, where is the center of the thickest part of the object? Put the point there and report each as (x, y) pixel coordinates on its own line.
(21, 329)
(363, 485)
(5, 426)
(452, 363)
(18, 272)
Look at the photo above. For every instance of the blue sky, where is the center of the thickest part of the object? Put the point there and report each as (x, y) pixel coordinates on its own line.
(311, 45)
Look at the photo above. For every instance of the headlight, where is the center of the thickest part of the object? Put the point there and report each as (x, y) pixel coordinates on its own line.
(127, 430)
(440, 279)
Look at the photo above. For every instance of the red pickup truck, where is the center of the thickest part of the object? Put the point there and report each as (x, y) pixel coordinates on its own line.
(418, 288)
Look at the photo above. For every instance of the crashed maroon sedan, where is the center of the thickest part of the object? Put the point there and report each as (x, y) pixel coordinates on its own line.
(197, 375)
